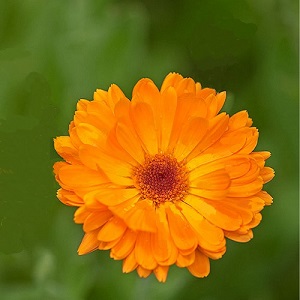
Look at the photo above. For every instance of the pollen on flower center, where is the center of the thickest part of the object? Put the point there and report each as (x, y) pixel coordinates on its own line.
(161, 178)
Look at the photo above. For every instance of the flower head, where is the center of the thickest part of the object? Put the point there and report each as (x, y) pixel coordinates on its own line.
(164, 178)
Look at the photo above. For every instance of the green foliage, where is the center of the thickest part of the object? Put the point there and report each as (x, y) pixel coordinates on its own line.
(52, 53)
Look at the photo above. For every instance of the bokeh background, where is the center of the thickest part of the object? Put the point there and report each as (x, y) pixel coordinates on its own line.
(52, 53)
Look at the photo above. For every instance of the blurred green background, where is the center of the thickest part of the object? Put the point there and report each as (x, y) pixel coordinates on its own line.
(53, 53)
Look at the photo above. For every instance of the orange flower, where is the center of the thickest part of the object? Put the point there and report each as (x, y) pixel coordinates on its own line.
(164, 178)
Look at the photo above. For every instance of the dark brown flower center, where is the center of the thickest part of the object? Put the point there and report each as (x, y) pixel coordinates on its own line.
(161, 178)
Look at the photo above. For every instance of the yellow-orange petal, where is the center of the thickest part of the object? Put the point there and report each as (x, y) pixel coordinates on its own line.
(200, 267)
(168, 111)
(108, 245)
(185, 86)
(129, 141)
(89, 242)
(69, 198)
(161, 273)
(216, 180)
(81, 214)
(143, 251)
(125, 245)
(182, 234)
(185, 260)
(90, 135)
(64, 147)
(186, 109)
(113, 229)
(265, 197)
(239, 120)
(238, 237)
(214, 103)
(216, 214)
(142, 272)
(73, 175)
(172, 79)
(94, 158)
(111, 196)
(210, 237)
(129, 263)
(251, 141)
(141, 216)
(146, 91)
(164, 250)
(115, 94)
(205, 93)
(96, 219)
(143, 121)
(191, 134)
(267, 174)
(111, 97)
(216, 128)
(246, 189)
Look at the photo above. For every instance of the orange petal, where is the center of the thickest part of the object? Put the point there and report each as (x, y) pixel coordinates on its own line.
(143, 251)
(111, 97)
(171, 79)
(89, 243)
(90, 135)
(206, 92)
(111, 196)
(185, 260)
(163, 248)
(214, 103)
(108, 245)
(251, 141)
(115, 94)
(112, 230)
(216, 128)
(200, 267)
(120, 173)
(141, 216)
(96, 220)
(209, 194)
(216, 214)
(69, 198)
(142, 272)
(143, 121)
(185, 86)
(130, 142)
(146, 91)
(265, 197)
(64, 147)
(137, 214)
(245, 189)
(267, 174)
(237, 237)
(182, 234)
(187, 108)
(81, 214)
(210, 237)
(191, 134)
(75, 176)
(129, 263)
(239, 120)
(216, 180)
(161, 273)
(126, 244)
(168, 110)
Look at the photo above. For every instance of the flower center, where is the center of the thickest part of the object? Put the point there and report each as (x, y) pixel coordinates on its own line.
(161, 178)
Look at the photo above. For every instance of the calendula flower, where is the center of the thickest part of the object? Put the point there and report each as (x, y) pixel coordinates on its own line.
(164, 178)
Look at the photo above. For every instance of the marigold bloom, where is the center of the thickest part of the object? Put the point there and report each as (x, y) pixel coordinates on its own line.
(164, 178)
